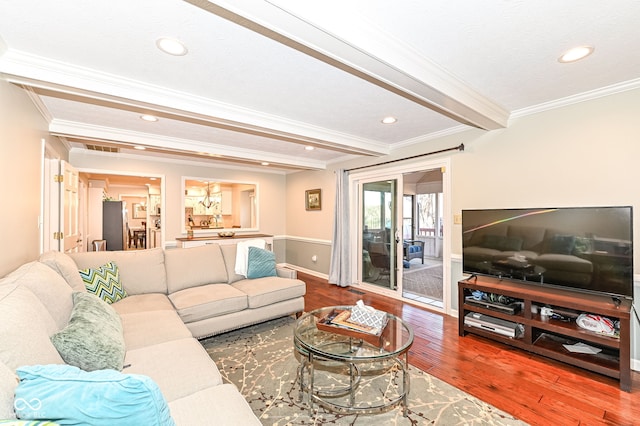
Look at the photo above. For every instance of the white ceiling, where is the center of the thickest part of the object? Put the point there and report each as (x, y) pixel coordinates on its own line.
(263, 79)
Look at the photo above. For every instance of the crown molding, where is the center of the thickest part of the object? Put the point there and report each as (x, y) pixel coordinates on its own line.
(580, 97)
(430, 136)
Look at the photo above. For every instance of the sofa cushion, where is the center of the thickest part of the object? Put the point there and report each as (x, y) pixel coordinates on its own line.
(531, 236)
(190, 267)
(94, 339)
(562, 244)
(415, 249)
(49, 287)
(25, 327)
(141, 271)
(143, 303)
(229, 254)
(8, 384)
(502, 243)
(269, 290)
(216, 405)
(179, 367)
(65, 267)
(104, 282)
(564, 262)
(260, 263)
(105, 397)
(477, 253)
(207, 301)
(150, 328)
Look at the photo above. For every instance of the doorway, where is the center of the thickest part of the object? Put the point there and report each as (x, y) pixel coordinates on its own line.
(141, 198)
(423, 233)
(403, 232)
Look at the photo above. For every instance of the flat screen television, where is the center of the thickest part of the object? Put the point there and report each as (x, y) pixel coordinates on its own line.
(586, 249)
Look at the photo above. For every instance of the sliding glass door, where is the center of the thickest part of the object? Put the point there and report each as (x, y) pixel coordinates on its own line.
(379, 232)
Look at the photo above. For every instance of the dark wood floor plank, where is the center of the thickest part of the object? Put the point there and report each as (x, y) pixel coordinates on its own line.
(534, 389)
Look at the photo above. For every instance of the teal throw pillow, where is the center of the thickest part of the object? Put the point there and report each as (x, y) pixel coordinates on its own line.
(261, 263)
(67, 395)
(93, 339)
(104, 282)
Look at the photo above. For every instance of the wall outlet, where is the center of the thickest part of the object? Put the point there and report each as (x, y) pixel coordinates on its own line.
(457, 219)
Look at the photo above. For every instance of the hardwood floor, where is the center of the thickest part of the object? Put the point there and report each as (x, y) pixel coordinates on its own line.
(534, 389)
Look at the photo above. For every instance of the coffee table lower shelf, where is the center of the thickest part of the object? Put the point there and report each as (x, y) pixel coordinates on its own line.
(344, 399)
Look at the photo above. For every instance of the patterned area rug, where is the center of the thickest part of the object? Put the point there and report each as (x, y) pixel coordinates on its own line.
(261, 362)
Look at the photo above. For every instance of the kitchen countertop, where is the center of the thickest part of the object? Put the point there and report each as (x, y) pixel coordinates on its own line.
(216, 237)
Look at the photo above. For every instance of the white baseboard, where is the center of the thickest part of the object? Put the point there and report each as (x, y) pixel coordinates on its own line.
(306, 271)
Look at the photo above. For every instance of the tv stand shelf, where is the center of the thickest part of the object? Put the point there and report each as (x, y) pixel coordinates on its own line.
(545, 336)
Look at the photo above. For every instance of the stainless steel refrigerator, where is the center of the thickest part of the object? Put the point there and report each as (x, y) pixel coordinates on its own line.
(114, 224)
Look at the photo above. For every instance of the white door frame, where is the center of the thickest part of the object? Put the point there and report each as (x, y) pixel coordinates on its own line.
(380, 172)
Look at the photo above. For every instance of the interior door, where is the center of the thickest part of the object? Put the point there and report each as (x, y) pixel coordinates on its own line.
(70, 225)
(379, 232)
(63, 207)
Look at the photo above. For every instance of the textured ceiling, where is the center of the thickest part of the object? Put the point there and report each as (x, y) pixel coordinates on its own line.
(264, 79)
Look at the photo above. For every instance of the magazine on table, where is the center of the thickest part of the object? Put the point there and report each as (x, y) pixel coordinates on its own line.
(341, 318)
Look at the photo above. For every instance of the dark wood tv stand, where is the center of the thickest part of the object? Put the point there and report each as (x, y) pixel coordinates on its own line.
(545, 336)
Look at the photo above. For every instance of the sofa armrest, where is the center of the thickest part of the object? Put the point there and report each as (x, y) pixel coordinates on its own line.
(283, 272)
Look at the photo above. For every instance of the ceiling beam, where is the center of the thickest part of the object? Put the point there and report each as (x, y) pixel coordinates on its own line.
(77, 130)
(68, 82)
(364, 51)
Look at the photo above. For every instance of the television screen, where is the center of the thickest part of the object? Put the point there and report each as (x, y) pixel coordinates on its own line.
(582, 248)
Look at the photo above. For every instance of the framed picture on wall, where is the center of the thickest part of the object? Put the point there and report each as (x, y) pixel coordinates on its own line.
(139, 211)
(313, 199)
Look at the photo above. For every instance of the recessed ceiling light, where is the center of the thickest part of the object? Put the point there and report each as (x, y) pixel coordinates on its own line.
(309, 148)
(265, 163)
(139, 147)
(389, 120)
(576, 53)
(149, 117)
(171, 46)
(152, 178)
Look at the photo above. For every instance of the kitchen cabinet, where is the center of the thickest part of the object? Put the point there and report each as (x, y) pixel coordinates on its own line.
(154, 203)
(226, 202)
(154, 238)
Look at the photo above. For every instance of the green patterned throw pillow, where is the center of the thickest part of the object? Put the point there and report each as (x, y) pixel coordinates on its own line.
(104, 282)
(261, 263)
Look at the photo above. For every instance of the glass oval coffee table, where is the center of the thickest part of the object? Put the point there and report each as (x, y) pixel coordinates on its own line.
(352, 372)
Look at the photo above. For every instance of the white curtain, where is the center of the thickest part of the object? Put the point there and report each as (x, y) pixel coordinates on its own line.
(340, 267)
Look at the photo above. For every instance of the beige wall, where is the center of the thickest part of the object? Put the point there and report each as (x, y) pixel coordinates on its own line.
(315, 224)
(22, 129)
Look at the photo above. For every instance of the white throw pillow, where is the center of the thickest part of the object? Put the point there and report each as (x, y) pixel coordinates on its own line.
(242, 254)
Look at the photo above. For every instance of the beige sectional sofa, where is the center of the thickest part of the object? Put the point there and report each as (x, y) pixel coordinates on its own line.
(174, 297)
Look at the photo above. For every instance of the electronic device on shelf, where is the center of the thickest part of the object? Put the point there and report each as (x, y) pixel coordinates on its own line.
(511, 308)
(495, 325)
(585, 249)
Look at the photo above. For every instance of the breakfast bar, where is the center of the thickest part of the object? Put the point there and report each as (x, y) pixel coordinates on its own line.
(185, 242)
